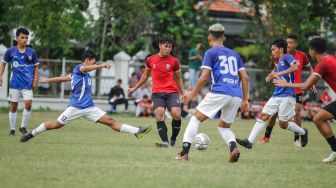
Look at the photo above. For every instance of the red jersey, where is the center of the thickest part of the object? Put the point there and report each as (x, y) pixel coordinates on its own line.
(301, 61)
(326, 69)
(163, 69)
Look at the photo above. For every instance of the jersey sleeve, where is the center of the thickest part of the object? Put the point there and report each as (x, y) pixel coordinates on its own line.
(35, 58)
(8, 56)
(320, 69)
(305, 60)
(207, 61)
(240, 63)
(76, 70)
(290, 59)
(148, 66)
(191, 53)
(177, 66)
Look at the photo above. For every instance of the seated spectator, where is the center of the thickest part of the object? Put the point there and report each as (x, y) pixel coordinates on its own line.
(146, 107)
(117, 96)
(138, 95)
(44, 72)
(252, 113)
(325, 97)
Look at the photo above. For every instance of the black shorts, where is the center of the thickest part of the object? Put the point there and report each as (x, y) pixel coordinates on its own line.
(166, 100)
(331, 108)
(299, 98)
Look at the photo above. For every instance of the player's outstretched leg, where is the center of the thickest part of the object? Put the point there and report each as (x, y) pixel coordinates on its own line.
(269, 129)
(40, 129)
(230, 140)
(138, 132)
(257, 128)
(303, 132)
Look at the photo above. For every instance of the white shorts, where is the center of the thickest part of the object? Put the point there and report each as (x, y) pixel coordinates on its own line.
(15, 94)
(285, 106)
(212, 103)
(71, 113)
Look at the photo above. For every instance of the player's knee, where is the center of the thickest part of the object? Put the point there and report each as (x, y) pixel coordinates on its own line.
(317, 119)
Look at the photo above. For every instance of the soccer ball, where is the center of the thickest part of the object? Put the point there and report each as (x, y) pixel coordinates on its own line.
(202, 141)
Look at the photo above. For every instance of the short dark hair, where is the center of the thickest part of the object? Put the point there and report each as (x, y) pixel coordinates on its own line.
(22, 30)
(89, 54)
(143, 66)
(166, 39)
(216, 35)
(318, 44)
(119, 80)
(280, 43)
(292, 36)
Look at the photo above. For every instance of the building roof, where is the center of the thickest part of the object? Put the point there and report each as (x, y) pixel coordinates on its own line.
(229, 6)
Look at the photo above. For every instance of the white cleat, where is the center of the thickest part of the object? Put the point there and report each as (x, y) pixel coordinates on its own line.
(331, 158)
(297, 143)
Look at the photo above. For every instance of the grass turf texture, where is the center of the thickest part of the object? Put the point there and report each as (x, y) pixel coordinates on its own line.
(84, 154)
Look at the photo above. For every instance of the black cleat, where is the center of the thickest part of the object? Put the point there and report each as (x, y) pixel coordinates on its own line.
(12, 132)
(245, 143)
(172, 143)
(23, 130)
(142, 131)
(304, 138)
(26, 137)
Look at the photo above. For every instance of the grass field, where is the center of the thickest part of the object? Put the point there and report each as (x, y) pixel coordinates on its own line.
(84, 154)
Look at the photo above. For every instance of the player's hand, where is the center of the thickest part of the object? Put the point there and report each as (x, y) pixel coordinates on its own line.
(131, 90)
(187, 96)
(280, 82)
(43, 80)
(1, 81)
(313, 88)
(271, 76)
(245, 106)
(106, 65)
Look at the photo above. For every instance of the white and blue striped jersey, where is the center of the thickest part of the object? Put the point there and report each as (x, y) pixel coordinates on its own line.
(284, 63)
(224, 64)
(22, 65)
(81, 89)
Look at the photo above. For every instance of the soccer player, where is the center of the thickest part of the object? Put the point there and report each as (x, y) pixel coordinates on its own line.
(225, 67)
(24, 78)
(324, 69)
(165, 90)
(81, 104)
(302, 61)
(282, 100)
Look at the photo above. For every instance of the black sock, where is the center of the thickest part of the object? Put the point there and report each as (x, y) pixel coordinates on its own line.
(185, 148)
(332, 143)
(162, 129)
(296, 136)
(176, 126)
(268, 132)
(232, 145)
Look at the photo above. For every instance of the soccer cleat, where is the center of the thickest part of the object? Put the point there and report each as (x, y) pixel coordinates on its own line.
(162, 144)
(304, 138)
(297, 143)
(172, 143)
(245, 143)
(263, 140)
(12, 132)
(331, 158)
(142, 131)
(26, 137)
(23, 130)
(234, 155)
(182, 157)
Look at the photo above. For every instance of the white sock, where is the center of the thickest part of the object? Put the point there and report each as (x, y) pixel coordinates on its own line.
(25, 117)
(191, 130)
(227, 135)
(257, 129)
(128, 129)
(12, 120)
(40, 129)
(295, 128)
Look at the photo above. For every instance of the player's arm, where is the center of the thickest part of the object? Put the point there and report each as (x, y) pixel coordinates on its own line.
(89, 68)
(142, 80)
(36, 77)
(244, 80)
(291, 69)
(2, 70)
(312, 79)
(55, 79)
(179, 81)
(311, 71)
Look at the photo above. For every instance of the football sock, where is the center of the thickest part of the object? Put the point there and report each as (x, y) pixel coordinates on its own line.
(176, 126)
(295, 128)
(185, 148)
(258, 127)
(40, 129)
(128, 129)
(232, 145)
(191, 130)
(268, 132)
(332, 143)
(296, 136)
(25, 117)
(12, 120)
(227, 135)
(162, 129)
